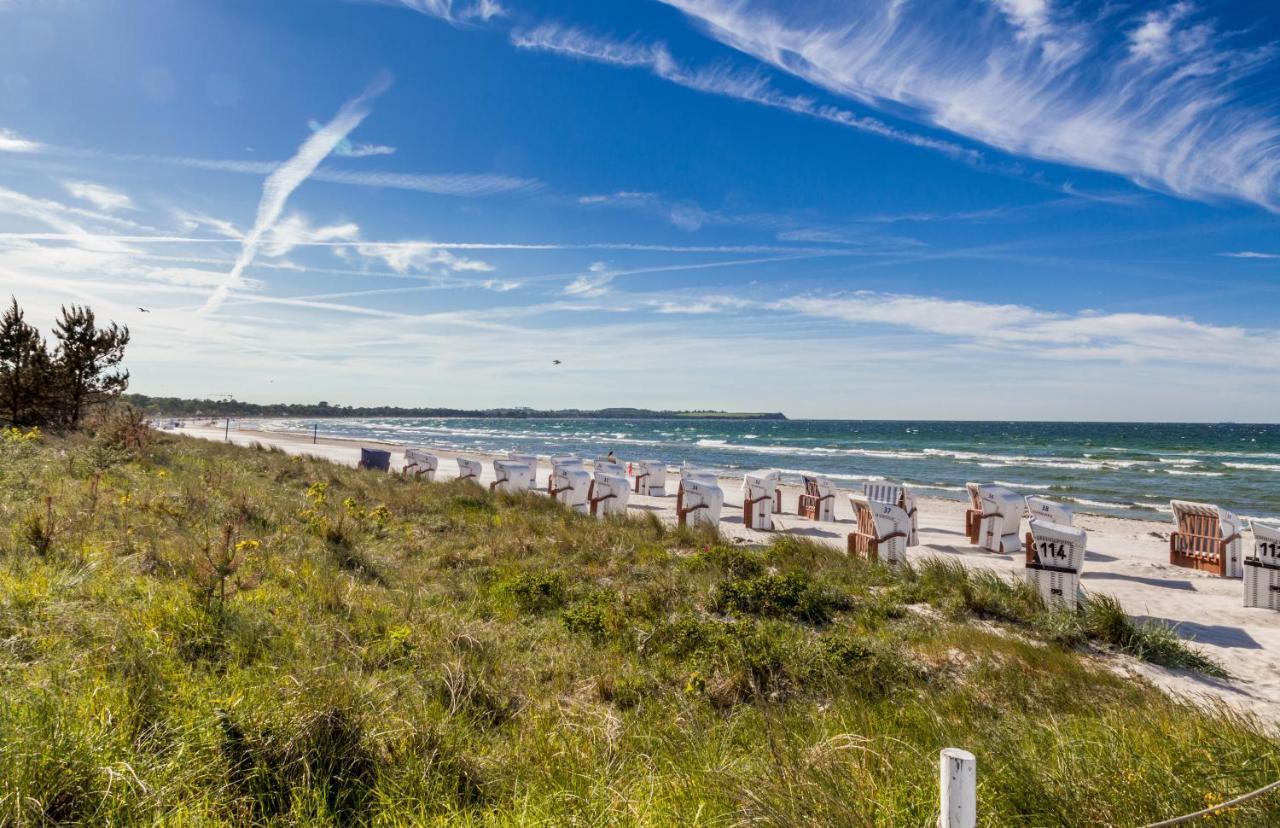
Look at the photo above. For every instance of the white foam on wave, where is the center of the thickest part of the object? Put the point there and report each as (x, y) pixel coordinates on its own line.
(1099, 504)
(1271, 467)
(1015, 486)
(1184, 473)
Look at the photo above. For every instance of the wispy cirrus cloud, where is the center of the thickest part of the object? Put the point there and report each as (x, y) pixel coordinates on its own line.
(1169, 106)
(454, 11)
(281, 183)
(1130, 337)
(346, 148)
(751, 86)
(1250, 254)
(12, 142)
(100, 196)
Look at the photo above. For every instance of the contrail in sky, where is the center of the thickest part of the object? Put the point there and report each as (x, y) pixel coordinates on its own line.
(289, 175)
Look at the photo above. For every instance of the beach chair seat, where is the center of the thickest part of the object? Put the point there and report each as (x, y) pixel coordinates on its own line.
(884, 530)
(759, 496)
(1001, 517)
(819, 499)
(651, 478)
(419, 463)
(1207, 538)
(900, 496)
(1262, 568)
(532, 462)
(609, 493)
(1055, 556)
(510, 476)
(1043, 508)
(570, 483)
(605, 462)
(375, 460)
(469, 469)
(700, 501)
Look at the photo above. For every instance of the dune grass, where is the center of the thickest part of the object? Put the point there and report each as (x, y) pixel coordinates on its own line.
(195, 633)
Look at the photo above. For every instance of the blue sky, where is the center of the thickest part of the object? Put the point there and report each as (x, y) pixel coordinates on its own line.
(1022, 209)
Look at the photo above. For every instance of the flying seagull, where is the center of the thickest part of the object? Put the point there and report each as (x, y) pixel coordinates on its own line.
(144, 310)
(555, 362)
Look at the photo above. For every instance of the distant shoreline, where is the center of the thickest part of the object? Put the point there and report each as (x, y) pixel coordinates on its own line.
(178, 408)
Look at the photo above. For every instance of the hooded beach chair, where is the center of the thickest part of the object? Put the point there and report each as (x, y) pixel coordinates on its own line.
(973, 515)
(1262, 568)
(469, 469)
(899, 496)
(610, 492)
(1207, 539)
(569, 483)
(688, 472)
(1055, 555)
(699, 501)
(999, 520)
(819, 499)
(419, 463)
(532, 462)
(759, 495)
(884, 530)
(1043, 508)
(510, 476)
(651, 478)
(375, 459)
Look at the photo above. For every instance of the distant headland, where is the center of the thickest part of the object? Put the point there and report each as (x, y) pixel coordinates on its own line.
(179, 407)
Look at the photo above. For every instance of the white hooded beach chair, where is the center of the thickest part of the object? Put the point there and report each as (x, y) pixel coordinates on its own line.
(759, 496)
(419, 463)
(1055, 556)
(884, 530)
(532, 462)
(700, 500)
(569, 482)
(1207, 538)
(510, 476)
(609, 493)
(1262, 568)
(819, 499)
(688, 472)
(1042, 508)
(651, 478)
(899, 496)
(1001, 517)
(469, 469)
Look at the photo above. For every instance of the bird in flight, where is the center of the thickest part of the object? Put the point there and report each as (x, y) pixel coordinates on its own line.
(144, 310)
(555, 362)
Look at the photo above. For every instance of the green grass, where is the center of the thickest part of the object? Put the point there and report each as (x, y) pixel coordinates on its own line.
(194, 633)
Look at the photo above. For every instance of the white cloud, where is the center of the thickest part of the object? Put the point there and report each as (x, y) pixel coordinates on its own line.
(11, 142)
(1191, 126)
(420, 257)
(294, 230)
(593, 283)
(346, 148)
(104, 198)
(1250, 254)
(1027, 331)
(281, 183)
(454, 11)
(717, 80)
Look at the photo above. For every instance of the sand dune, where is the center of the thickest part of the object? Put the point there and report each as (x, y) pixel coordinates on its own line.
(1126, 558)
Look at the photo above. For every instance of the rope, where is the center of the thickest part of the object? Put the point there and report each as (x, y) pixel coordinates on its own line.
(1207, 811)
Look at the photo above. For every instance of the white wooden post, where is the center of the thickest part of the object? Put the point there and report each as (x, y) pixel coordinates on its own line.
(958, 789)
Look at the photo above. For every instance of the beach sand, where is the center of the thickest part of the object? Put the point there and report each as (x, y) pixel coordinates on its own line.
(1126, 558)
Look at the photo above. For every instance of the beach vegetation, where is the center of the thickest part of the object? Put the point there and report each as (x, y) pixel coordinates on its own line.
(198, 633)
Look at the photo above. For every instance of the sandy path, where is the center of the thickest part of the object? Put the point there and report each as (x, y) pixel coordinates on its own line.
(1127, 558)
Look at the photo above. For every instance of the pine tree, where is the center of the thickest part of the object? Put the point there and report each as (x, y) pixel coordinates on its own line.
(87, 362)
(25, 369)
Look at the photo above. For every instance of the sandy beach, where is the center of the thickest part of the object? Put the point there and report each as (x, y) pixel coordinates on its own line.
(1126, 558)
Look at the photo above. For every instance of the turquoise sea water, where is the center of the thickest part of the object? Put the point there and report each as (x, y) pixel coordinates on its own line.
(1130, 469)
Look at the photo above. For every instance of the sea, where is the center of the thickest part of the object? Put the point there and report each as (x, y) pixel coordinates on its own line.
(1125, 469)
